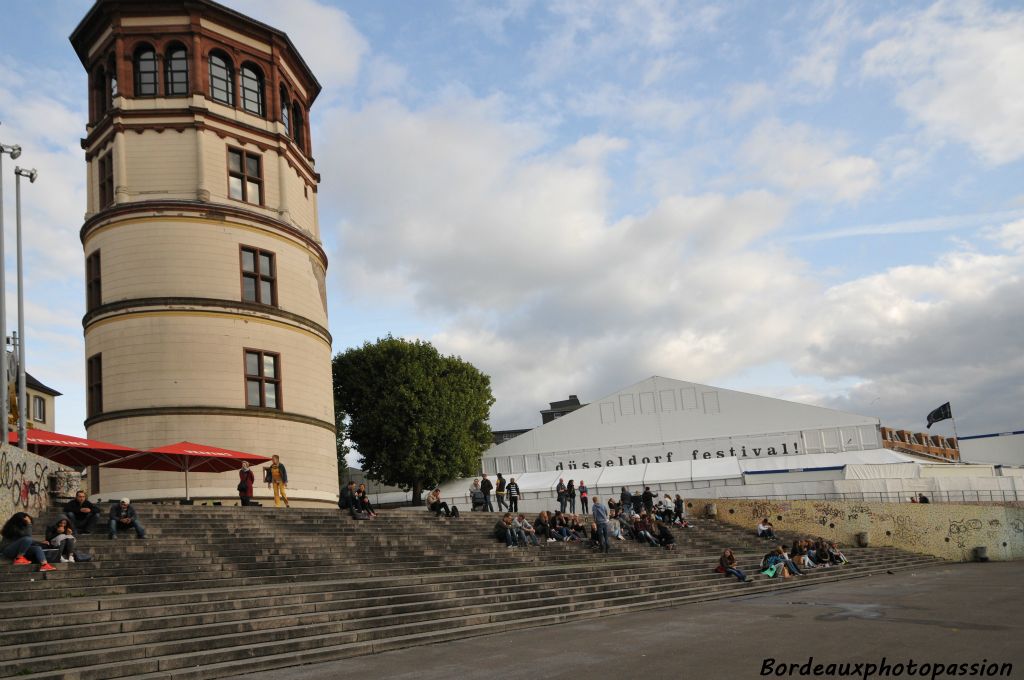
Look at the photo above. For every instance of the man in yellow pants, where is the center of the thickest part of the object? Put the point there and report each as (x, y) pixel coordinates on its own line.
(277, 476)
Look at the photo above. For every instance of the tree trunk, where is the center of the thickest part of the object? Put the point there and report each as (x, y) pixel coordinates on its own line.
(417, 493)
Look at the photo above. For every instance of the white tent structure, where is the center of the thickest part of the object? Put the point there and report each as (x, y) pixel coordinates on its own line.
(706, 442)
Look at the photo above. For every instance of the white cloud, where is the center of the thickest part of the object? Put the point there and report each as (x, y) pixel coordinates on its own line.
(325, 36)
(956, 68)
(808, 163)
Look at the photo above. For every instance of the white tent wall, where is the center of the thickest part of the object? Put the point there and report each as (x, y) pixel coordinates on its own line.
(1005, 448)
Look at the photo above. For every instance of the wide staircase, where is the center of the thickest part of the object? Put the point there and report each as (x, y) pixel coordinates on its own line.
(223, 591)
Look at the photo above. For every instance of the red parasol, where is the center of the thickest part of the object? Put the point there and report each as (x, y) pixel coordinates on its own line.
(72, 451)
(187, 457)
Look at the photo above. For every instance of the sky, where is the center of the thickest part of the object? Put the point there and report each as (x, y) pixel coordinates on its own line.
(817, 201)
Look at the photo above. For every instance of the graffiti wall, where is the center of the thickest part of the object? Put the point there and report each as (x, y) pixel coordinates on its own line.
(26, 480)
(947, 530)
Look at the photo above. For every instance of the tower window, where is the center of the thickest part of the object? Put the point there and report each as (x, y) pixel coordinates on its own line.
(259, 276)
(94, 385)
(285, 118)
(38, 409)
(176, 74)
(252, 90)
(245, 176)
(93, 290)
(222, 79)
(145, 72)
(297, 126)
(106, 180)
(262, 379)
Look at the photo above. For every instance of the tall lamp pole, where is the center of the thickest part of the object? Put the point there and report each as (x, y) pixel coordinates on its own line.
(22, 406)
(14, 151)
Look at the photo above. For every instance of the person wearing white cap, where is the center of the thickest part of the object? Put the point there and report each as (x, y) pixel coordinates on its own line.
(123, 516)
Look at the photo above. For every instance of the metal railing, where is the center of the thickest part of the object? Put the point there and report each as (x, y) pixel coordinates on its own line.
(886, 497)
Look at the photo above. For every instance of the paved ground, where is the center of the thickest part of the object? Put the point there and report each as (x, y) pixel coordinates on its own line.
(963, 613)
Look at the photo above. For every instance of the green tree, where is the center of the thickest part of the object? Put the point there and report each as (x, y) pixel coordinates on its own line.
(416, 417)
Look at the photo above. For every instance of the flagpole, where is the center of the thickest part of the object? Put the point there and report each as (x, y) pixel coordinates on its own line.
(955, 435)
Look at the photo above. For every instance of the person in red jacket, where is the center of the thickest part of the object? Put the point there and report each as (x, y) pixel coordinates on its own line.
(245, 481)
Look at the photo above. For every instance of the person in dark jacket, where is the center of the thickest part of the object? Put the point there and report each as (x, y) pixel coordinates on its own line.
(584, 497)
(499, 493)
(503, 530)
(245, 481)
(560, 495)
(648, 500)
(485, 489)
(123, 516)
(570, 496)
(82, 514)
(276, 476)
(664, 536)
(347, 500)
(727, 565)
(62, 537)
(512, 490)
(16, 542)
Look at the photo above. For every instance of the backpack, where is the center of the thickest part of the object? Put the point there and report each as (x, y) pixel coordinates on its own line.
(455, 511)
(83, 556)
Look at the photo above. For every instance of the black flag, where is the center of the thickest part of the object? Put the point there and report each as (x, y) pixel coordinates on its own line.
(941, 413)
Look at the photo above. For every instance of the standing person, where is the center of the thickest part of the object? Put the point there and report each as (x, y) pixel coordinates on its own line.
(678, 514)
(584, 497)
(485, 489)
(122, 516)
(625, 498)
(245, 481)
(512, 489)
(81, 513)
(570, 496)
(499, 493)
(276, 476)
(647, 498)
(17, 541)
(560, 494)
(601, 519)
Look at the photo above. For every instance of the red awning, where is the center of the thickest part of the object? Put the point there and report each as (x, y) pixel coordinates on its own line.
(187, 457)
(68, 450)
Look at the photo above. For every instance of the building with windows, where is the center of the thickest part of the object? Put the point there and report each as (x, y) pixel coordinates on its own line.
(206, 305)
(42, 402)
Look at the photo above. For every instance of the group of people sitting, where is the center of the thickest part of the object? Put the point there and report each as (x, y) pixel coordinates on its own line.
(781, 561)
(79, 516)
(356, 501)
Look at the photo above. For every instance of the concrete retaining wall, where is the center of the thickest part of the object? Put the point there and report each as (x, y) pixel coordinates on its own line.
(25, 482)
(947, 530)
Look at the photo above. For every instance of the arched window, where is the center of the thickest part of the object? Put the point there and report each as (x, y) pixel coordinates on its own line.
(222, 79)
(100, 94)
(297, 126)
(111, 82)
(252, 89)
(176, 71)
(285, 118)
(145, 71)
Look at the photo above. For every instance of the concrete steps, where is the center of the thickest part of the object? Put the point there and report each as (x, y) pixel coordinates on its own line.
(224, 591)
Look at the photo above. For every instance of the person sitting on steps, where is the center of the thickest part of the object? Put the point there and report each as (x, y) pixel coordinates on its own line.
(436, 505)
(82, 513)
(363, 500)
(765, 529)
(62, 537)
(727, 565)
(347, 499)
(665, 538)
(17, 542)
(542, 525)
(525, 532)
(123, 516)
(503, 530)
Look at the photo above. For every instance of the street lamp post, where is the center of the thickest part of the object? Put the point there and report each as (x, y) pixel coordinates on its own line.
(14, 151)
(22, 406)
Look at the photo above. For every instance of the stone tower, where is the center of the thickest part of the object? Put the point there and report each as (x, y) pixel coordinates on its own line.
(206, 305)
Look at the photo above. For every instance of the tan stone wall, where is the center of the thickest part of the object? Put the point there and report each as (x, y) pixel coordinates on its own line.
(947, 530)
(184, 257)
(196, 359)
(25, 482)
(160, 165)
(306, 450)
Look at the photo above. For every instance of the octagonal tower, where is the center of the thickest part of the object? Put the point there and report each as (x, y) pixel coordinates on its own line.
(206, 309)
